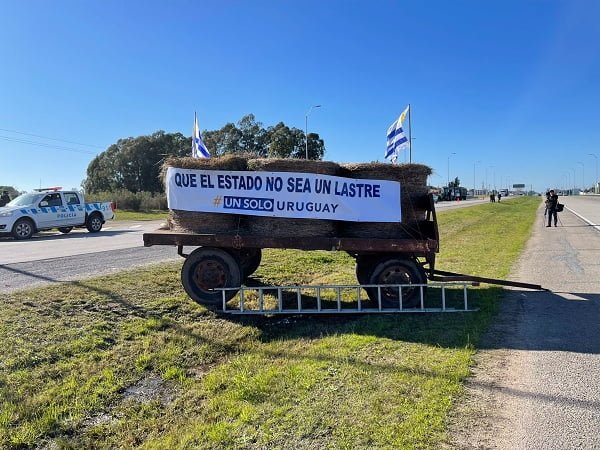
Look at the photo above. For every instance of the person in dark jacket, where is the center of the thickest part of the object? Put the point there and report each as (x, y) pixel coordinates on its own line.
(552, 207)
(4, 198)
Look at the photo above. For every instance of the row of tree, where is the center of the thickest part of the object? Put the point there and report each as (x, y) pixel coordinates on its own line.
(134, 163)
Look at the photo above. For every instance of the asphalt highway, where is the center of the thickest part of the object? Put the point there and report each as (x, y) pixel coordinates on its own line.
(536, 378)
(53, 257)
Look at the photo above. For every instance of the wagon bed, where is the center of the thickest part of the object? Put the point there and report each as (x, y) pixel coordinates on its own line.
(352, 245)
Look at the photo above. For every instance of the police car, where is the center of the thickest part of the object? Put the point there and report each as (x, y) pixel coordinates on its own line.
(49, 208)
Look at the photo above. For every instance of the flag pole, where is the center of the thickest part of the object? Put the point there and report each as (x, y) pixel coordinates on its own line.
(409, 137)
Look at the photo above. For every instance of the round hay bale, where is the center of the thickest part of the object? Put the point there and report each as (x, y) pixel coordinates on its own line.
(225, 162)
(293, 165)
(404, 173)
(203, 222)
(288, 227)
(413, 189)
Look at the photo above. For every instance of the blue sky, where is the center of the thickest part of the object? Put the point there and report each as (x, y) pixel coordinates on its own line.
(503, 91)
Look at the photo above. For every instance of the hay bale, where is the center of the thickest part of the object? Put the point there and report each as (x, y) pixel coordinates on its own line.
(288, 227)
(225, 162)
(413, 182)
(293, 165)
(404, 173)
(205, 222)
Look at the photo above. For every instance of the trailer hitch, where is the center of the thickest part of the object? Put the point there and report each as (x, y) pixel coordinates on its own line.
(442, 275)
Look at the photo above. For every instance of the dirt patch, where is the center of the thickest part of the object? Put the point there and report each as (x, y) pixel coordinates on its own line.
(149, 389)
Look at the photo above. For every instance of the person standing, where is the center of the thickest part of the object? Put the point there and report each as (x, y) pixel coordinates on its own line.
(4, 198)
(552, 207)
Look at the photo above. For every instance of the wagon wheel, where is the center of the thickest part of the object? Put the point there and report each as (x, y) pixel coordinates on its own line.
(364, 267)
(249, 260)
(397, 271)
(206, 269)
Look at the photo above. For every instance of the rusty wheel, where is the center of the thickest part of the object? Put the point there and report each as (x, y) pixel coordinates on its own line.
(206, 269)
(397, 271)
(249, 260)
(364, 267)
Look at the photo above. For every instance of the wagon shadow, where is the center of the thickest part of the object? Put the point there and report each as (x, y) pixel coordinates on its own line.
(451, 329)
(546, 321)
(526, 320)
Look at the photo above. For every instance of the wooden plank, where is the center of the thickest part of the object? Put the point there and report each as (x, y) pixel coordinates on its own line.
(313, 243)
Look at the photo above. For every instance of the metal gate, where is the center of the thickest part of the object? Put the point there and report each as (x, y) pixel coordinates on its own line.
(340, 299)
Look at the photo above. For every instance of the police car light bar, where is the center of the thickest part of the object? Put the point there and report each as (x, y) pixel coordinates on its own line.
(53, 189)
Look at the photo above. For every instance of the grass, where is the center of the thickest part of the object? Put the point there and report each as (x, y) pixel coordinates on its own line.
(122, 214)
(128, 361)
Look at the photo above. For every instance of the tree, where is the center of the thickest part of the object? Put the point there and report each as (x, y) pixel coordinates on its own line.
(316, 147)
(455, 183)
(253, 136)
(134, 163)
(283, 141)
(12, 192)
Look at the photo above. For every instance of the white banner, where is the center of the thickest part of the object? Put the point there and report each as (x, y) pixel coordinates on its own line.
(283, 194)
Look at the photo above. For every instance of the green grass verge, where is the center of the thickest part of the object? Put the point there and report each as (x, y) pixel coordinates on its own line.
(128, 361)
(122, 214)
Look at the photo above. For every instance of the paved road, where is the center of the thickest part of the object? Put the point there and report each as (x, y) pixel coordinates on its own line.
(536, 384)
(53, 257)
(441, 206)
(587, 208)
(115, 235)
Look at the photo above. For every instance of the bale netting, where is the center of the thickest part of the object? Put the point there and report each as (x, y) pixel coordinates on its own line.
(286, 227)
(413, 189)
(204, 222)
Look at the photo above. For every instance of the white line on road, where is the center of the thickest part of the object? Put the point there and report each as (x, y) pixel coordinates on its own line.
(597, 227)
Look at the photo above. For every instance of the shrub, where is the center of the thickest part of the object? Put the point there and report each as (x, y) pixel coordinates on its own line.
(134, 201)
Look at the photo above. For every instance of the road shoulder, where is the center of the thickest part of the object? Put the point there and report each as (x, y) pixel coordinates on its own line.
(533, 380)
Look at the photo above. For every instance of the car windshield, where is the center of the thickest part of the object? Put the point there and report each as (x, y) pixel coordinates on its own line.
(23, 200)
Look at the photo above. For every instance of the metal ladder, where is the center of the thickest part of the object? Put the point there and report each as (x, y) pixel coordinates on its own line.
(337, 305)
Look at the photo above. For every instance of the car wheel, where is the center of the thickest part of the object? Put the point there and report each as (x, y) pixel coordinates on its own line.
(23, 229)
(94, 223)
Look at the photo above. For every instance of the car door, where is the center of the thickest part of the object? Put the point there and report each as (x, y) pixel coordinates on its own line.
(74, 209)
(50, 207)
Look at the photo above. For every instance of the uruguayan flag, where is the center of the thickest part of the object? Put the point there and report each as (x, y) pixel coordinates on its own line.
(396, 140)
(198, 148)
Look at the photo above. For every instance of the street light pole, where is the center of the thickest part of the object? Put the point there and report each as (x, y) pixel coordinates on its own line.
(494, 174)
(474, 185)
(582, 175)
(596, 183)
(306, 126)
